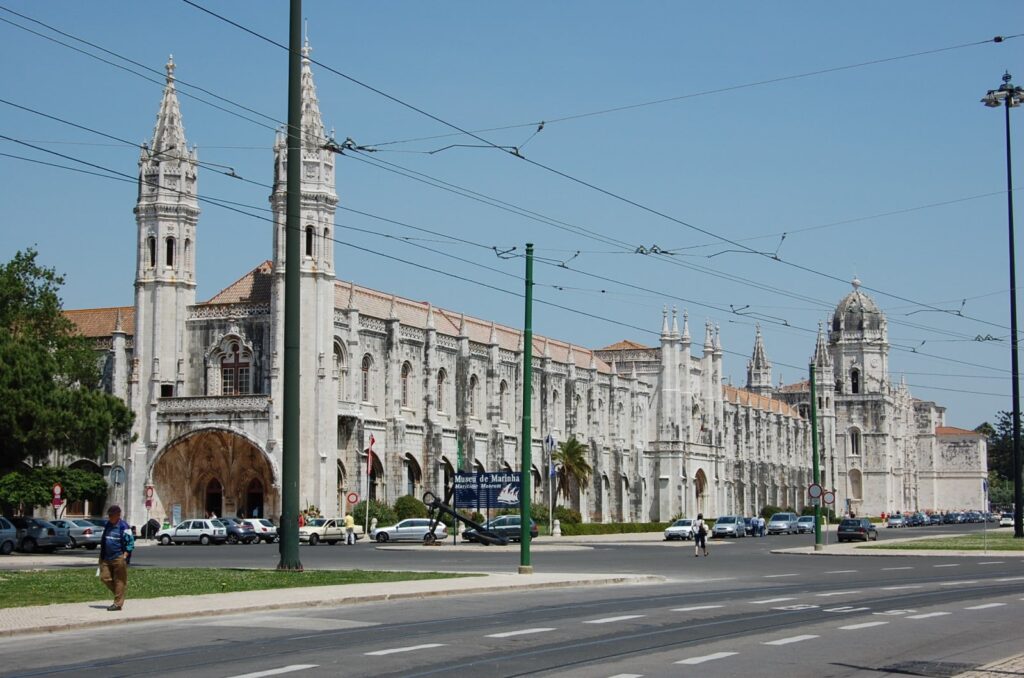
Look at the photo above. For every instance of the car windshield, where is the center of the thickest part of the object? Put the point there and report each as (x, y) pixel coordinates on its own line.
(83, 523)
(266, 523)
(316, 522)
(726, 519)
(850, 523)
(682, 523)
(806, 519)
(780, 517)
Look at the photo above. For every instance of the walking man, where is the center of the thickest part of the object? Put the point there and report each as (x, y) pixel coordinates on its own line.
(700, 539)
(116, 549)
(350, 530)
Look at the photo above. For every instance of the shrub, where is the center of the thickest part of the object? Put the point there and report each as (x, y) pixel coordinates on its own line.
(573, 529)
(827, 513)
(768, 511)
(567, 516)
(384, 514)
(539, 513)
(410, 507)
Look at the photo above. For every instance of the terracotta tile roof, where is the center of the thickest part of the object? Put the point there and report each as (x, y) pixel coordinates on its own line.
(747, 398)
(798, 387)
(100, 322)
(954, 431)
(251, 288)
(624, 345)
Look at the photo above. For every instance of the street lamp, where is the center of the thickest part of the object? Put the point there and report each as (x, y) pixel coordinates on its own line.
(1010, 96)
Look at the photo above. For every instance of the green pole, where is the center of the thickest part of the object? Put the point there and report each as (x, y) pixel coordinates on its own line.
(289, 528)
(817, 469)
(527, 438)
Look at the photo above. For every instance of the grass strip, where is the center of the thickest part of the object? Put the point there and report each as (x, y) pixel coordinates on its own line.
(997, 540)
(48, 587)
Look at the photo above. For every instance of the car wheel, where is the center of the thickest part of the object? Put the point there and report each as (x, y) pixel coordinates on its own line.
(90, 546)
(72, 544)
(28, 545)
(232, 539)
(332, 542)
(314, 539)
(6, 548)
(204, 539)
(429, 538)
(165, 540)
(382, 538)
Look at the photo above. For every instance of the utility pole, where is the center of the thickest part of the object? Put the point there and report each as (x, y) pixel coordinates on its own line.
(289, 528)
(526, 463)
(817, 469)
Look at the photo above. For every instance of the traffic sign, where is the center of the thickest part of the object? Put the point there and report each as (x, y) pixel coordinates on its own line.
(57, 491)
(352, 497)
(149, 504)
(814, 490)
(829, 497)
(149, 491)
(57, 501)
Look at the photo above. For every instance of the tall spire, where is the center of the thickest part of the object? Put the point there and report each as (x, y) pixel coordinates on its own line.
(675, 323)
(169, 132)
(709, 342)
(664, 323)
(430, 316)
(822, 357)
(759, 369)
(313, 136)
(686, 326)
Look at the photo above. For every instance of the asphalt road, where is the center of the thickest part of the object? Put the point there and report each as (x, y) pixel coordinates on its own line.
(739, 612)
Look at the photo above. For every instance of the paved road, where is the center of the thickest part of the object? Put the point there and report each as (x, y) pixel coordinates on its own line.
(740, 612)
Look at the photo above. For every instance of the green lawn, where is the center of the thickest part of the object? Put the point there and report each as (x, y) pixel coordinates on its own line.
(21, 588)
(998, 540)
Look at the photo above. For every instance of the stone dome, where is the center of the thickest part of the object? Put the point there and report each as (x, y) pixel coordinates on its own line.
(857, 312)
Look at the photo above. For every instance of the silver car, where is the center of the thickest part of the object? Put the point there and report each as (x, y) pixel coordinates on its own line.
(8, 537)
(805, 524)
(37, 534)
(194, 531)
(729, 526)
(782, 522)
(82, 532)
(410, 529)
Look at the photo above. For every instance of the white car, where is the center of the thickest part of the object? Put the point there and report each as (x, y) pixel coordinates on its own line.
(194, 531)
(1006, 520)
(410, 529)
(329, 530)
(681, 529)
(265, 530)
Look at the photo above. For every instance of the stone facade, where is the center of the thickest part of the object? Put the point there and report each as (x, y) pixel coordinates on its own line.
(665, 435)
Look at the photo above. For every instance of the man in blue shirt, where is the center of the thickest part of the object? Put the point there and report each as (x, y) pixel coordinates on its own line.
(115, 553)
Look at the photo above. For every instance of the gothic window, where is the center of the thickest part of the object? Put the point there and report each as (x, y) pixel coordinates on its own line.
(327, 243)
(339, 370)
(309, 241)
(473, 384)
(854, 381)
(839, 386)
(151, 246)
(170, 252)
(367, 363)
(502, 397)
(235, 371)
(441, 375)
(855, 442)
(188, 253)
(406, 376)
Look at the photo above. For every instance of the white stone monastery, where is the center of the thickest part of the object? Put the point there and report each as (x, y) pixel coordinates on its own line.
(665, 435)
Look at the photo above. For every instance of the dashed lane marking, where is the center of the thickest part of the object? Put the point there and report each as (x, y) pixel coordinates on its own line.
(770, 600)
(929, 615)
(627, 675)
(900, 588)
(1010, 579)
(865, 625)
(277, 672)
(840, 571)
(611, 620)
(985, 606)
(895, 613)
(948, 565)
(958, 583)
(787, 641)
(836, 593)
(521, 632)
(992, 562)
(897, 568)
(410, 648)
(776, 576)
(846, 609)
(694, 608)
(706, 658)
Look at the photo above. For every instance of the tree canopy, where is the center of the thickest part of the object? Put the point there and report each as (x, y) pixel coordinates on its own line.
(50, 395)
(1000, 444)
(574, 471)
(25, 488)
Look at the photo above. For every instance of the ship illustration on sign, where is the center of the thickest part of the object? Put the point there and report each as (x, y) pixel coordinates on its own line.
(509, 494)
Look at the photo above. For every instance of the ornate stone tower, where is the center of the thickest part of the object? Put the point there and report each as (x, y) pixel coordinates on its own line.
(318, 466)
(859, 344)
(759, 370)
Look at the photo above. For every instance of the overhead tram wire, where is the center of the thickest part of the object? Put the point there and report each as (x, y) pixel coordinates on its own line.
(582, 182)
(234, 207)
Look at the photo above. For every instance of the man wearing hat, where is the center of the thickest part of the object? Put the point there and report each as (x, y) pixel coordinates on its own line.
(115, 553)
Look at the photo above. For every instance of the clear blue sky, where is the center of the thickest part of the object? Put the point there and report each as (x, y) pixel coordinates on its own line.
(758, 160)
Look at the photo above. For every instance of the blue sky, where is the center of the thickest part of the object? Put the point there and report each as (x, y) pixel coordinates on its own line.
(900, 136)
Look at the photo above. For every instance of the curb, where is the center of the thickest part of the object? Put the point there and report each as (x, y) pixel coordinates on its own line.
(331, 601)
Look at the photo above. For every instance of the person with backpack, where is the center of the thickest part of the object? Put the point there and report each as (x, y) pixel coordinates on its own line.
(700, 539)
(116, 548)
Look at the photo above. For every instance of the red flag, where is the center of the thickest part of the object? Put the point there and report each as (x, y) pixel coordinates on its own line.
(369, 456)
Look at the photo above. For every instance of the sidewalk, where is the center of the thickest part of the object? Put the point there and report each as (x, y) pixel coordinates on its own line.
(1011, 666)
(852, 549)
(67, 616)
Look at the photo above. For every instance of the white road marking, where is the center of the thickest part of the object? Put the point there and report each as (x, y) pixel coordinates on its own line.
(277, 672)
(948, 565)
(693, 608)
(627, 675)
(985, 607)
(279, 621)
(900, 588)
(787, 641)
(865, 625)
(522, 632)
(1010, 579)
(609, 620)
(706, 658)
(895, 613)
(897, 568)
(410, 648)
(836, 593)
(803, 606)
(992, 562)
(958, 583)
(775, 576)
(770, 600)
(929, 615)
(846, 608)
(840, 571)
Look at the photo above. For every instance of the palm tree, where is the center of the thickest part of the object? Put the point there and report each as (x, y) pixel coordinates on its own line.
(574, 470)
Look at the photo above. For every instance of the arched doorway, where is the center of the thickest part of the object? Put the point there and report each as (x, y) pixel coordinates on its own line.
(376, 490)
(214, 497)
(700, 491)
(447, 475)
(413, 476)
(254, 499)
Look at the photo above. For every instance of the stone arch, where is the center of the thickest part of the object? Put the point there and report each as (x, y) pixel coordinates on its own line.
(700, 491)
(447, 474)
(413, 480)
(606, 499)
(181, 473)
(856, 485)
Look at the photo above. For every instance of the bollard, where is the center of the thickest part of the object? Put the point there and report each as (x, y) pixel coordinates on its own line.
(556, 531)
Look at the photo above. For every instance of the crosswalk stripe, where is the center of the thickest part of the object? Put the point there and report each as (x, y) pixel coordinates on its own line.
(928, 615)
(985, 607)
(521, 632)
(865, 625)
(706, 658)
(787, 641)
(277, 672)
(609, 620)
(697, 607)
(411, 648)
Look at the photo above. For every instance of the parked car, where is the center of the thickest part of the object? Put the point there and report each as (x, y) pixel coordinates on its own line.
(805, 524)
(8, 537)
(266, 530)
(935, 519)
(509, 526)
(330, 530)
(751, 525)
(729, 526)
(1006, 520)
(37, 534)
(859, 529)
(913, 520)
(895, 521)
(81, 532)
(951, 518)
(782, 522)
(204, 531)
(239, 531)
(410, 529)
(681, 529)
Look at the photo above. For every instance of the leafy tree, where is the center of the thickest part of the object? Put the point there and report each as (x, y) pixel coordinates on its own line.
(1000, 444)
(384, 514)
(50, 398)
(1000, 491)
(410, 507)
(25, 488)
(574, 470)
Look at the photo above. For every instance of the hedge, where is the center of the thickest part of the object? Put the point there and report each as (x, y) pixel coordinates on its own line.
(574, 529)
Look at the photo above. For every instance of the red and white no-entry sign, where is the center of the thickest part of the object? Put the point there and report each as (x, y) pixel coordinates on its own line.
(814, 490)
(149, 491)
(352, 497)
(829, 497)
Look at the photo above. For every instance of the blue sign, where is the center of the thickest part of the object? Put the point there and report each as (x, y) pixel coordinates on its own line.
(488, 490)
